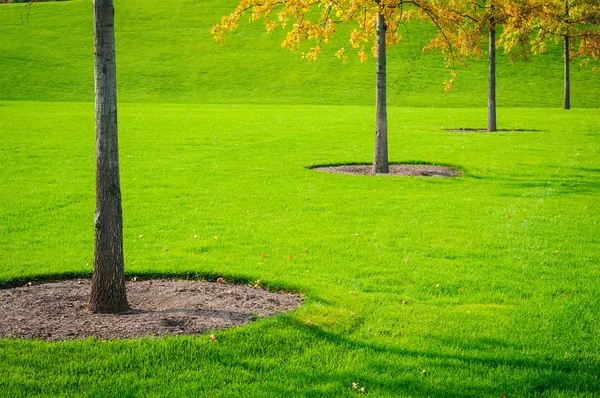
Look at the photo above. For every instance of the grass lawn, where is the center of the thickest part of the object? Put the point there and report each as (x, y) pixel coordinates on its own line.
(498, 269)
(512, 244)
(165, 53)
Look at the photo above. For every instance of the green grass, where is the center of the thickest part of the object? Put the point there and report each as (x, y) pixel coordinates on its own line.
(217, 141)
(513, 245)
(165, 53)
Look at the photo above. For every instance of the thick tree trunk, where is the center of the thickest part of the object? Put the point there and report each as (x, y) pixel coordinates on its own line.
(492, 81)
(380, 158)
(567, 104)
(108, 280)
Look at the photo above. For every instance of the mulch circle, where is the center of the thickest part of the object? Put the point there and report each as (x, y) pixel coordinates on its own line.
(407, 170)
(57, 310)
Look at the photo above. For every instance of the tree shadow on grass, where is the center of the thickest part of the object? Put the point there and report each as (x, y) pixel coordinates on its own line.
(569, 181)
(488, 367)
(526, 187)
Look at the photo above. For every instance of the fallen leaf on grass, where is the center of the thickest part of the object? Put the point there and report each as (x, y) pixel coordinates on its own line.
(221, 281)
(290, 258)
(265, 255)
(404, 301)
(213, 337)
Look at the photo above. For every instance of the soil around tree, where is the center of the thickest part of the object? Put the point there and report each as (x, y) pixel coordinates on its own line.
(406, 170)
(57, 310)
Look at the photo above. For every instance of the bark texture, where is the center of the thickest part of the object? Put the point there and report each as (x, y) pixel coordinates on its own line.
(492, 80)
(380, 158)
(108, 280)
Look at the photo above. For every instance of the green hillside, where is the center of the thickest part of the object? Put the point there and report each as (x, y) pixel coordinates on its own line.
(165, 53)
(485, 285)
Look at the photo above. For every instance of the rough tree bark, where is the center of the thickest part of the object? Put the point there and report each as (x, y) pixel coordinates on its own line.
(492, 79)
(380, 158)
(108, 280)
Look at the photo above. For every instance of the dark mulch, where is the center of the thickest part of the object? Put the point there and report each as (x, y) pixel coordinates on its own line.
(409, 170)
(57, 310)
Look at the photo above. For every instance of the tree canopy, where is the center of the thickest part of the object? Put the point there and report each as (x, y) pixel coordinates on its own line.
(316, 21)
(578, 20)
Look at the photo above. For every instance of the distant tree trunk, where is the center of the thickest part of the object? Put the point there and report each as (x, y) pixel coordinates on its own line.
(108, 280)
(492, 80)
(380, 158)
(567, 104)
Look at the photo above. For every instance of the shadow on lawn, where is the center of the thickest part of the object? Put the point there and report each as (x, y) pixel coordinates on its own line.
(575, 183)
(498, 374)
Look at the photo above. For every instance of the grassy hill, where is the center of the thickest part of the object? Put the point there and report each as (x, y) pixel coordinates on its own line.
(486, 285)
(165, 53)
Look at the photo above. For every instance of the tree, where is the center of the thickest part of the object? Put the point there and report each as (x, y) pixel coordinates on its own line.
(375, 24)
(577, 23)
(467, 25)
(108, 280)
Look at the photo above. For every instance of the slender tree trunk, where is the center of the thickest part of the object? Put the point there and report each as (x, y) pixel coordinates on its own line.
(492, 80)
(567, 104)
(108, 280)
(380, 158)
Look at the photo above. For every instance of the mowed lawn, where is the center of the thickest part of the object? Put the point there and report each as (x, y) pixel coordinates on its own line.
(512, 244)
(482, 285)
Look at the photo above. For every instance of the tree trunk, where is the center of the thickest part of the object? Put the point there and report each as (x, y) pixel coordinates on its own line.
(380, 158)
(108, 280)
(567, 104)
(492, 80)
